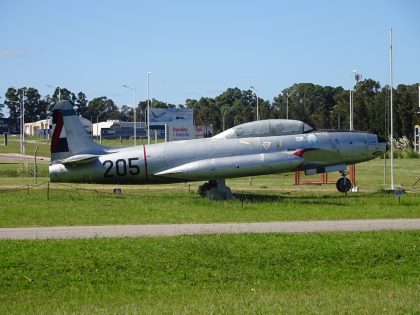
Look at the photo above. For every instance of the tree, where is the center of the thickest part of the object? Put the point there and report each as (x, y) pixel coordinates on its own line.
(64, 95)
(81, 103)
(236, 107)
(159, 104)
(364, 95)
(102, 105)
(127, 113)
(13, 102)
(32, 110)
(405, 106)
(1, 110)
(339, 115)
(45, 106)
(31, 99)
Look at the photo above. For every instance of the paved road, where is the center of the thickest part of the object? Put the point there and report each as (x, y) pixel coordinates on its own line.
(14, 157)
(214, 228)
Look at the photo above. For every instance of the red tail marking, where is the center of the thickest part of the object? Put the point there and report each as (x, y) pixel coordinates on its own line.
(59, 123)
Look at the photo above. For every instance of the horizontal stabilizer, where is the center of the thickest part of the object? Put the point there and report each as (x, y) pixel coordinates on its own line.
(79, 159)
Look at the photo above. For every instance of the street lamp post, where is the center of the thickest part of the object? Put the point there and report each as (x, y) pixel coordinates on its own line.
(256, 91)
(135, 117)
(97, 125)
(148, 108)
(56, 87)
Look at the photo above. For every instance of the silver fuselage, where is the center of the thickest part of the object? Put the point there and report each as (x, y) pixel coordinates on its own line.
(212, 158)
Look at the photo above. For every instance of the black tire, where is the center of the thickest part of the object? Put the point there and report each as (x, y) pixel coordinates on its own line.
(202, 190)
(343, 185)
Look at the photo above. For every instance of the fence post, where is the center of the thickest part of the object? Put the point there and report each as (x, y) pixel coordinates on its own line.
(36, 167)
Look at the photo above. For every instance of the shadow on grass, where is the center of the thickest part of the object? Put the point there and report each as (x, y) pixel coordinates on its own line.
(308, 199)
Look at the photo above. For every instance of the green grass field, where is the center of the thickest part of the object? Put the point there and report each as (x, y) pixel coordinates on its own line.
(80, 207)
(330, 273)
(269, 198)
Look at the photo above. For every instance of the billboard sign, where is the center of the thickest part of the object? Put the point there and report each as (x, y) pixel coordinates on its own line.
(183, 116)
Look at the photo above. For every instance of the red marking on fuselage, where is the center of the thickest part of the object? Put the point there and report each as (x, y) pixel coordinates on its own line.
(299, 153)
(145, 161)
(59, 122)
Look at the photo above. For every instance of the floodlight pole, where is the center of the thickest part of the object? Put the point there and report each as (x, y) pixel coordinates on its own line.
(135, 117)
(356, 73)
(148, 108)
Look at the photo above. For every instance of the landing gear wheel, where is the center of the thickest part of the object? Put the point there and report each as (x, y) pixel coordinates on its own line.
(343, 185)
(215, 190)
(203, 189)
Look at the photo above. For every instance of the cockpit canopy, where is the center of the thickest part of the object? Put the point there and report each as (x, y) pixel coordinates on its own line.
(266, 128)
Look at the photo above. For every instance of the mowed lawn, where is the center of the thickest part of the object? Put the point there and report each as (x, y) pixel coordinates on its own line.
(78, 207)
(264, 198)
(329, 273)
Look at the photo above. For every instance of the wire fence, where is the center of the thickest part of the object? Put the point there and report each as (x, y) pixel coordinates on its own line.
(115, 191)
(146, 191)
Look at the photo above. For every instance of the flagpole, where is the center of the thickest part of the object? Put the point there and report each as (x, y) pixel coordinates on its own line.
(391, 105)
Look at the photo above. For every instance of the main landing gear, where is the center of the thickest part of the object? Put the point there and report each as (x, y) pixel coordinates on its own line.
(215, 190)
(343, 184)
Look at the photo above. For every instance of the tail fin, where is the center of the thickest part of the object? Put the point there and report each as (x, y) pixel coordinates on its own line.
(69, 137)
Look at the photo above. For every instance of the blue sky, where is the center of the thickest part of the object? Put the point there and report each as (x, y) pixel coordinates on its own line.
(201, 48)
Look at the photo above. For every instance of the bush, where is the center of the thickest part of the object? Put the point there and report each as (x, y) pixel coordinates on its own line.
(402, 149)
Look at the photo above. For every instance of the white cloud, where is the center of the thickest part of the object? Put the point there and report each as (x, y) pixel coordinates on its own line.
(11, 52)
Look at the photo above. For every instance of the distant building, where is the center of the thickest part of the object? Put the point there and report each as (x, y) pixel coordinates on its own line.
(9, 126)
(174, 124)
(43, 128)
(113, 129)
(38, 128)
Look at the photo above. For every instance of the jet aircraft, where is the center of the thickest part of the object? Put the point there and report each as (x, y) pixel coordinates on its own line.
(255, 148)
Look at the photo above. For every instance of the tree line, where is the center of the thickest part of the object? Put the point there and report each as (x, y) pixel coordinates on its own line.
(323, 107)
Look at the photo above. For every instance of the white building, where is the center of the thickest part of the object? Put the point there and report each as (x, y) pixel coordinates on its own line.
(41, 128)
